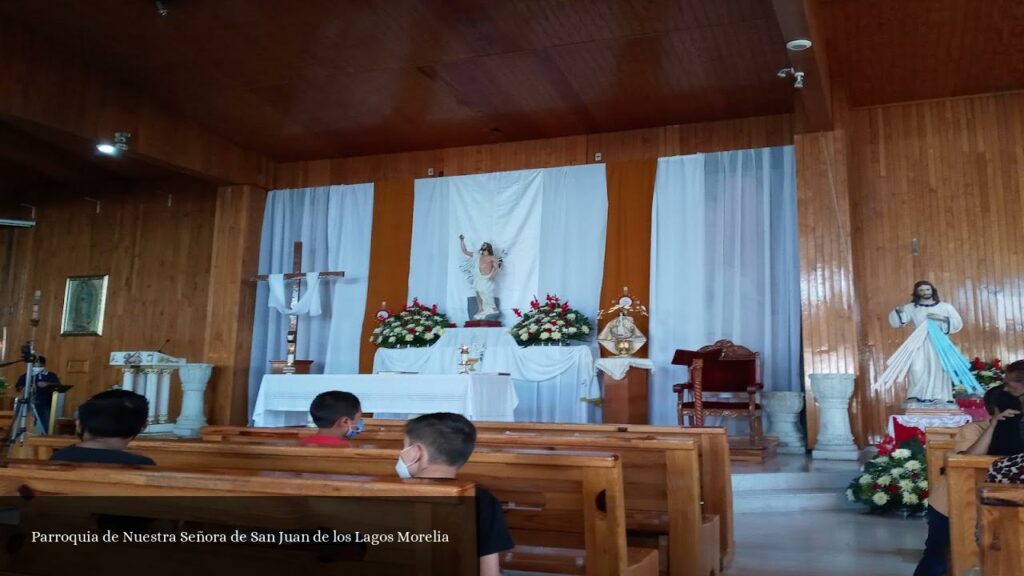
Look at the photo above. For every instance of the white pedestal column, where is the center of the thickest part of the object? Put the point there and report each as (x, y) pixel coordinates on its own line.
(194, 378)
(163, 396)
(835, 439)
(152, 382)
(128, 378)
(784, 420)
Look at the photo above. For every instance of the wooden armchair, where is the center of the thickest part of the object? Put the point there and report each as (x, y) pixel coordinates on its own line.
(720, 368)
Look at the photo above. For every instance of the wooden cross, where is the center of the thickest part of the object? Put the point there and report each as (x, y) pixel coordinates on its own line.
(295, 277)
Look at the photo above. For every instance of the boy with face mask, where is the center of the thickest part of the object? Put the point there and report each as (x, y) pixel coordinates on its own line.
(436, 446)
(338, 417)
(43, 399)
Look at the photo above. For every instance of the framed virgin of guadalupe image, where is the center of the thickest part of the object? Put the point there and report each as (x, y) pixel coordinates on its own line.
(85, 298)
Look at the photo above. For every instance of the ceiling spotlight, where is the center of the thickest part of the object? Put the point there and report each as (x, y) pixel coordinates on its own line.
(120, 144)
(798, 45)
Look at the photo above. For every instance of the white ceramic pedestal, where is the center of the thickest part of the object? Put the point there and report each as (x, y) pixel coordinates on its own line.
(194, 378)
(835, 439)
(784, 420)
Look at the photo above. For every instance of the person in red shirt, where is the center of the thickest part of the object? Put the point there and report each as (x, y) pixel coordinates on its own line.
(338, 417)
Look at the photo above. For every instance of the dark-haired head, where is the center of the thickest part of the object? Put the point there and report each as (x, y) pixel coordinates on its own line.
(331, 408)
(997, 399)
(486, 248)
(449, 439)
(1013, 377)
(916, 297)
(113, 414)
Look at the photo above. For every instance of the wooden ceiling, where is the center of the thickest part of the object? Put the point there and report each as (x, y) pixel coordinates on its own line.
(890, 51)
(323, 78)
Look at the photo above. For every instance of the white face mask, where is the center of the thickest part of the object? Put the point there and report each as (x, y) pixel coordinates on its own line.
(37, 370)
(402, 468)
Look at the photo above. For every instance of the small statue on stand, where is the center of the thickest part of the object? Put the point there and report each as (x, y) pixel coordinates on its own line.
(621, 336)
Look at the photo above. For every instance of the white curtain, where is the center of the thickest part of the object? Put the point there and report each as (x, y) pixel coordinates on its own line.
(334, 225)
(724, 264)
(548, 225)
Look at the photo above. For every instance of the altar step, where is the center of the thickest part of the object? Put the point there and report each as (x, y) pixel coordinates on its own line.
(792, 484)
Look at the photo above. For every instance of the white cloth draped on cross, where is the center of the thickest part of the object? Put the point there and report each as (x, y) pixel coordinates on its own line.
(307, 305)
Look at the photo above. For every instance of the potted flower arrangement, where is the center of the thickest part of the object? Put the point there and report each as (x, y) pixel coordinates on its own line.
(416, 326)
(989, 374)
(552, 322)
(894, 480)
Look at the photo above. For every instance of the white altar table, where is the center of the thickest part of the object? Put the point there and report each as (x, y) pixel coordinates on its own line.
(284, 399)
(549, 380)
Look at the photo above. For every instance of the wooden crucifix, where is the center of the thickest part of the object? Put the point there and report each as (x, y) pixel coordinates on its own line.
(291, 365)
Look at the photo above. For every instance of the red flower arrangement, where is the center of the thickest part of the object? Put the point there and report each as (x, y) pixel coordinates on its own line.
(415, 326)
(550, 322)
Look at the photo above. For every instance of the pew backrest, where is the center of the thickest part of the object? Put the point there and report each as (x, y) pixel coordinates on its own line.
(1001, 524)
(964, 474)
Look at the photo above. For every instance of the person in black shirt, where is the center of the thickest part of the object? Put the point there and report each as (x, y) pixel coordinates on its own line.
(43, 397)
(107, 422)
(436, 446)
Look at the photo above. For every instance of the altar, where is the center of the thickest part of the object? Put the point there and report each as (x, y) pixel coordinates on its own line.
(551, 382)
(284, 399)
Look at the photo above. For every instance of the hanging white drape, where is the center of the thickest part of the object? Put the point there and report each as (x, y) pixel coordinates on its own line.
(549, 224)
(724, 264)
(334, 225)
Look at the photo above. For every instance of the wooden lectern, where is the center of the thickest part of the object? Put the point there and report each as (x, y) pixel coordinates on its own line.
(720, 368)
(625, 399)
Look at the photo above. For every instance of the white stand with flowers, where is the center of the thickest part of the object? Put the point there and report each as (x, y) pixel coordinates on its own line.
(835, 438)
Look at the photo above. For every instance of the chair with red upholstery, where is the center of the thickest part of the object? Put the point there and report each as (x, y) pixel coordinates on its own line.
(718, 369)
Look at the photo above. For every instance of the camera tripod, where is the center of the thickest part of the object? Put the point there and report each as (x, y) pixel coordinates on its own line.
(22, 405)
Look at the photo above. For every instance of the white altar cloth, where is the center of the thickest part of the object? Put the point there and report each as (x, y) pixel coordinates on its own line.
(549, 380)
(284, 399)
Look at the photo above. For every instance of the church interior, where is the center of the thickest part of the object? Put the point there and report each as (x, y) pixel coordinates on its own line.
(721, 287)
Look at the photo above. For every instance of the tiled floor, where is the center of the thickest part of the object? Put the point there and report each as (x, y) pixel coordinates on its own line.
(831, 543)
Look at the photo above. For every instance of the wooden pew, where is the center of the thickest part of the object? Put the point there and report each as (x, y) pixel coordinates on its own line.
(715, 466)
(940, 442)
(565, 509)
(1001, 544)
(292, 502)
(964, 474)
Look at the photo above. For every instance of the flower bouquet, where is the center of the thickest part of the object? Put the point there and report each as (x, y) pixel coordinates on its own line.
(988, 374)
(552, 322)
(416, 326)
(894, 480)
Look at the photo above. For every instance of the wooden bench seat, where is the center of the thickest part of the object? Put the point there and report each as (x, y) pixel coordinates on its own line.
(964, 474)
(713, 453)
(1001, 542)
(553, 499)
(291, 501)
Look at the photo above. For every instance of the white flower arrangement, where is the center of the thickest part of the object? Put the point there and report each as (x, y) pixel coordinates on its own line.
(550, 322)
(415, 326)
(893, 480)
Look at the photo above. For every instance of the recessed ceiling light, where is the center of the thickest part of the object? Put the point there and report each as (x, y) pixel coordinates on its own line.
(107, 149)
(798, 45)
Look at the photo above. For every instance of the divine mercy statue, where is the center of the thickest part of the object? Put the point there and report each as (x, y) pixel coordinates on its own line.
(482, 268)
(928, 355)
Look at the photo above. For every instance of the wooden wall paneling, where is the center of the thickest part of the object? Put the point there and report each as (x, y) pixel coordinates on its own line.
(157, 257)
(547, 153)
(389, 258)
(628, 246)
(234, 262)
(739, 134)
(948, 174)
(828, 303)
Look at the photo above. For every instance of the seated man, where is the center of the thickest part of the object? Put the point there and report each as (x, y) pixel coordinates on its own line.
(338, 417)
(436, 446)
(106, 423)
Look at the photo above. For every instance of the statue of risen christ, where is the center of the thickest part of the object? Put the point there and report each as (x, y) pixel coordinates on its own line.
(482, 268)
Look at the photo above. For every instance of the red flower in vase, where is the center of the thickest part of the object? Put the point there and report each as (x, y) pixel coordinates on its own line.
(893, 489)
(997, 364)
(517, 312)
(978, 363)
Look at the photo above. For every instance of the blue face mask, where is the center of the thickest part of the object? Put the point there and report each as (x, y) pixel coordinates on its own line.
(402, 468)
(354, 431)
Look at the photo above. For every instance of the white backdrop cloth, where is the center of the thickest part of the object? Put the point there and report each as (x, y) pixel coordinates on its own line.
(549, 224)
(549, 380)
(334, 225)
(284, 399)
(724, 264)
